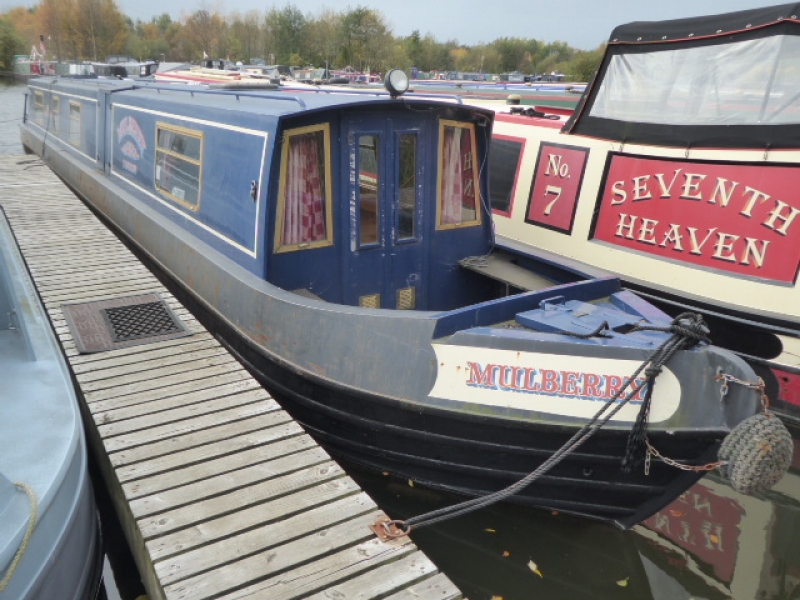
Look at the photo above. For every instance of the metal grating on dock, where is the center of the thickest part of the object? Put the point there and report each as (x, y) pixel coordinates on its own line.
(220, 493)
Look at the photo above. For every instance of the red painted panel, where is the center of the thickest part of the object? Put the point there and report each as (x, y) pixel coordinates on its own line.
(736, 218)
(556, 186)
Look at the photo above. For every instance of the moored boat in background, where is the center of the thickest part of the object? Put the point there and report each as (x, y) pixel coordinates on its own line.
(676, 172)
(335, 240)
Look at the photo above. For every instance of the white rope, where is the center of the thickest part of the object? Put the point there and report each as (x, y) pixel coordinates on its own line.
(28, 533)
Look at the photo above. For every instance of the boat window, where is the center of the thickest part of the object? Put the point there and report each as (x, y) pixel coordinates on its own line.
(368, 187)
(750, 82)
(304, 194)
(407, 188)
(458, 176)
(503, 166)
(55, 111)
(179, 161)
(38, 107)
(75, 124)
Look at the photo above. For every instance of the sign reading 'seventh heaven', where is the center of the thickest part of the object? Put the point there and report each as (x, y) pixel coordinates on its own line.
(737, 218)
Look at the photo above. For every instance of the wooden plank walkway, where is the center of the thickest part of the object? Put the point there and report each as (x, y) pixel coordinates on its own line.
(220, 493)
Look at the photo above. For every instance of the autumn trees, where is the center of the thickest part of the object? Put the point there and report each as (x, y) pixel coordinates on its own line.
(76, 30)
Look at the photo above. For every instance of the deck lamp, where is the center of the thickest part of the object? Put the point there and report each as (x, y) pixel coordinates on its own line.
(396, 82)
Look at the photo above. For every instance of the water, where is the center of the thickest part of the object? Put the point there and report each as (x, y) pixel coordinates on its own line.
(713, 543)
(12, 102)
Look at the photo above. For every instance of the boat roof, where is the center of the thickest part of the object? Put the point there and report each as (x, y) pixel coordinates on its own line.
(269, 100)
(645, 32)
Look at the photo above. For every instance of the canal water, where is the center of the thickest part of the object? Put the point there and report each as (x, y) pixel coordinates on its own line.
(712, 543)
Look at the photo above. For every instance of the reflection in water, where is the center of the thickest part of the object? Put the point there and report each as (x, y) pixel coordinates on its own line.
(711, 543)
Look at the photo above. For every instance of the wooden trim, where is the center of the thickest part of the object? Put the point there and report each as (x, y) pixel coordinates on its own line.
(160, 125)
(444, 123)
(278, 246)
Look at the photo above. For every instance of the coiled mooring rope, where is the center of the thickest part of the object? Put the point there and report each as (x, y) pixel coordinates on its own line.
(687, 329)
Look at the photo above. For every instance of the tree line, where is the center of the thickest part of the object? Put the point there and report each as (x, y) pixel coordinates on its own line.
(78, 30)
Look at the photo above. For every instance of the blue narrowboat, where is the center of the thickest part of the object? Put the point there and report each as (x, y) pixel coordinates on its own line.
(334, 239)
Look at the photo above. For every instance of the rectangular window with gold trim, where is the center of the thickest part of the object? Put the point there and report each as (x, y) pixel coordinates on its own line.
(55, 112)
(75, 124)
(38, 107)
(304, 217)
(458, 195)
(179, 164)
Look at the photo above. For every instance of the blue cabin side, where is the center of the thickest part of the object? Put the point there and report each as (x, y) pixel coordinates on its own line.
(353, 199)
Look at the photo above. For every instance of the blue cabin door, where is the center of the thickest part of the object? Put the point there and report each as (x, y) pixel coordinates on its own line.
(384, 189)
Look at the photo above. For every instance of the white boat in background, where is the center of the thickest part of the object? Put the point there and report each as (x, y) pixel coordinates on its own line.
(678, 172)
(50, 544)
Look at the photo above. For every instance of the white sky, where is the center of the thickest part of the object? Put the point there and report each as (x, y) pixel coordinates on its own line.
(583, 24)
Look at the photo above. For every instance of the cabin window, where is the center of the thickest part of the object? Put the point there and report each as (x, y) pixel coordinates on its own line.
(304, 193)
(503, 168)
(368, 186)
(55, 111)
(75, 124)
(458, 176)
(407, 188)
(38, 107)
(179, 153)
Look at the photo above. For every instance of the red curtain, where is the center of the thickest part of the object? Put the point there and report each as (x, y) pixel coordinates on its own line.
(304, 209)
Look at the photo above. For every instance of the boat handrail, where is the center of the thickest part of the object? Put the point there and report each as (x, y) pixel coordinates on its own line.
(244, 91)
(382, 92)
(193, 89)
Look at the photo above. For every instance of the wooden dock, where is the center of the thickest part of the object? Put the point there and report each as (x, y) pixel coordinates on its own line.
(220, 493)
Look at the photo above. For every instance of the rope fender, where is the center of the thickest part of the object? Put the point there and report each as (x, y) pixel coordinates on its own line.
(756, 454)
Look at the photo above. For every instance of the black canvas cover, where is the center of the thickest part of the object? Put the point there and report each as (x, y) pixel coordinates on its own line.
(775, 95)
(705, 26)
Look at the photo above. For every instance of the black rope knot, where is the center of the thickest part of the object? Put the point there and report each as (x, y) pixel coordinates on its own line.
(692, 327)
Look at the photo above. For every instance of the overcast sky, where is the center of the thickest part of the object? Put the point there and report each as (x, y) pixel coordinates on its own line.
(583, 24)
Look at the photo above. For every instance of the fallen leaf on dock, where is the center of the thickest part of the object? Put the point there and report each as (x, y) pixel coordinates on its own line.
(623, 582)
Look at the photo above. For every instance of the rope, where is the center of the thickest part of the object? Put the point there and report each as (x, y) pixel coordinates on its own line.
(26, 538)
(687, 329)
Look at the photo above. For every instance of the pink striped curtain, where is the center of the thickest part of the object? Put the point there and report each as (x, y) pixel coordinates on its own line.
(458, 193)
(304, 209)
(451, 177)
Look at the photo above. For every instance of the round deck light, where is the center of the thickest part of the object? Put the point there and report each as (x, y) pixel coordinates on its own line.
(396, 82)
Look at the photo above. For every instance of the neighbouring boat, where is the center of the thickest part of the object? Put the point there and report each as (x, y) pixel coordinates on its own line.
(331, 239)
(125, 67)
(545, 94)
(678, 173)
(49, 530)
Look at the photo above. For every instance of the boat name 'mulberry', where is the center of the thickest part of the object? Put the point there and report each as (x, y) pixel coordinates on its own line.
(556, 384)
(513, 378)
